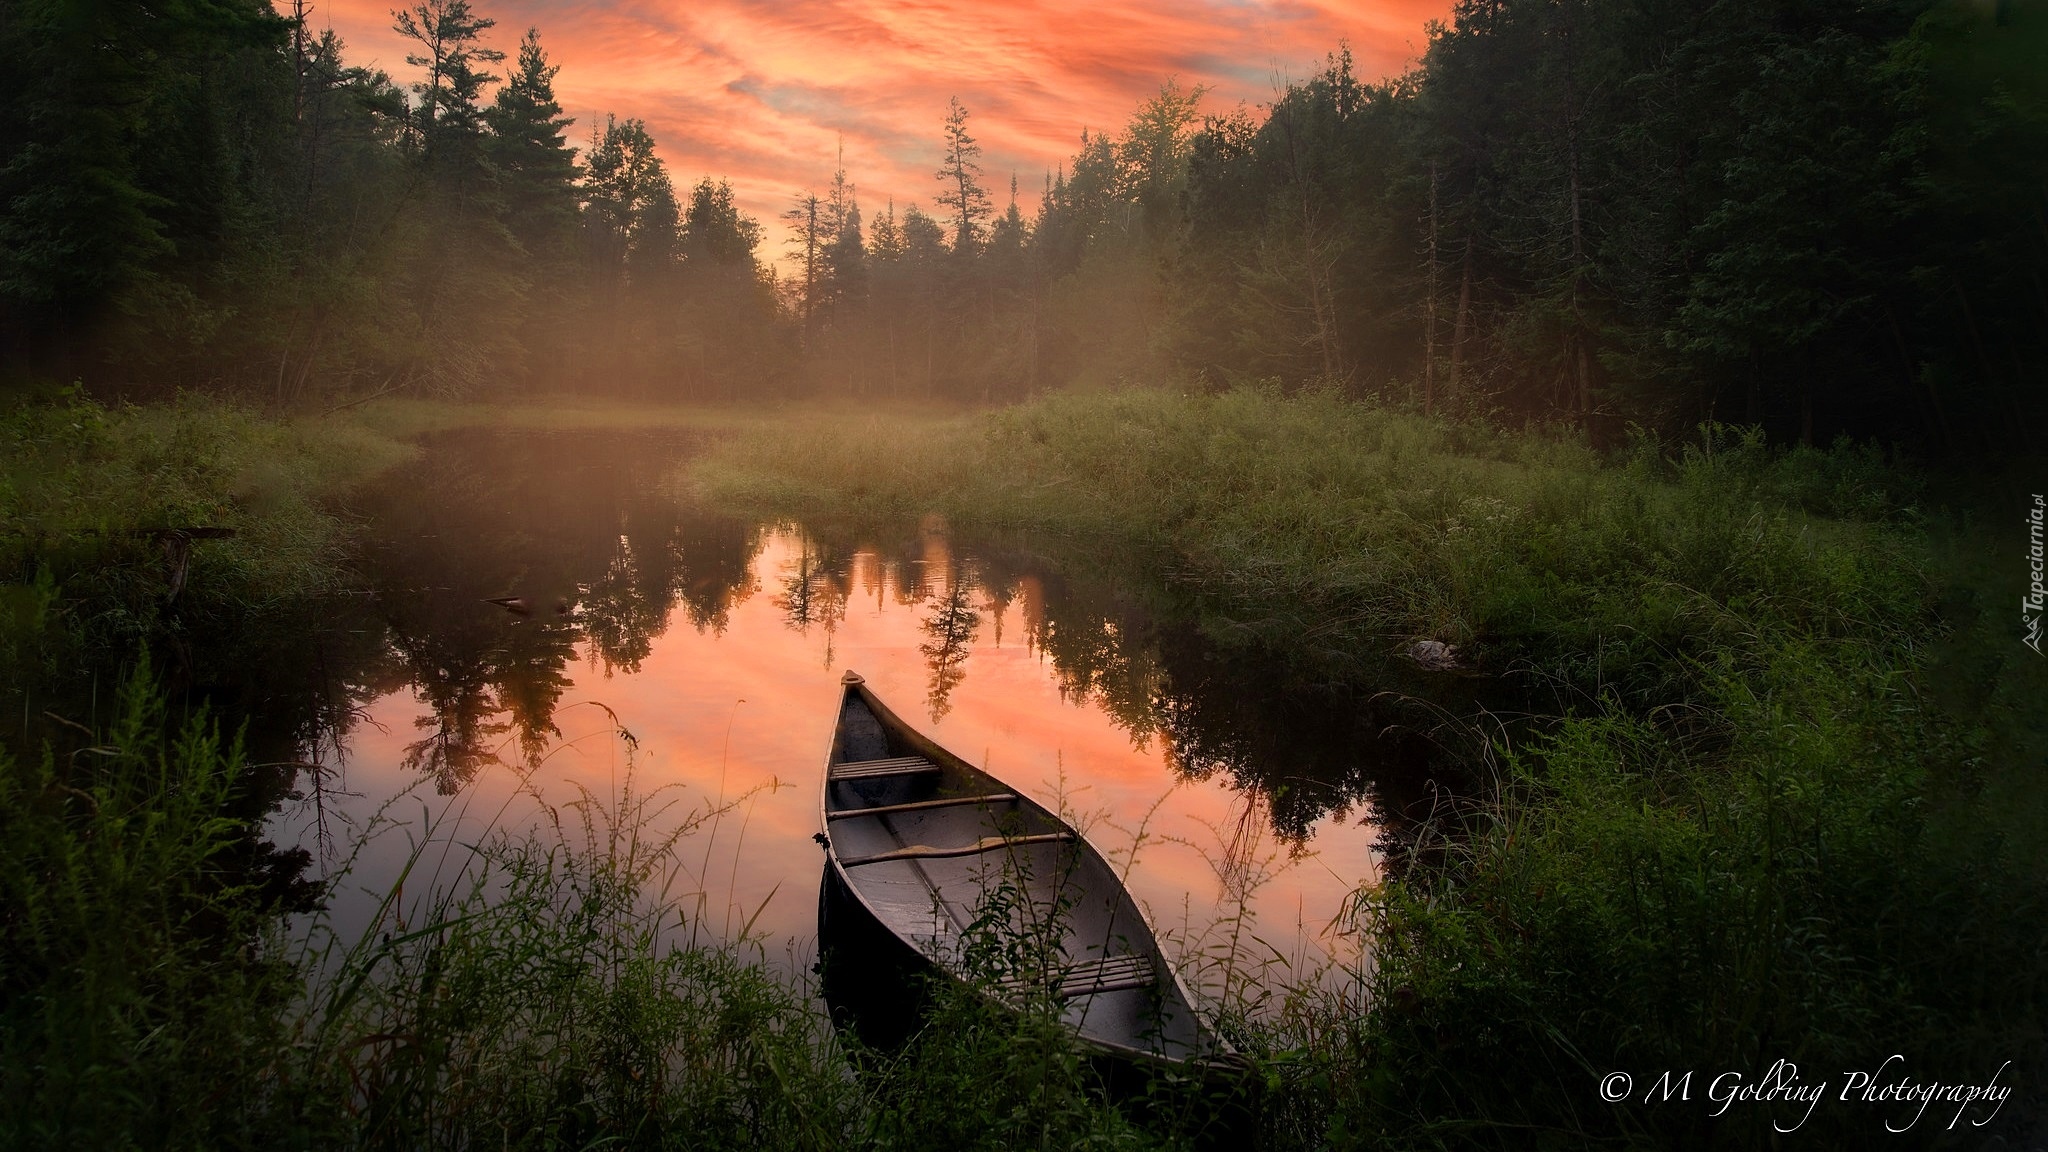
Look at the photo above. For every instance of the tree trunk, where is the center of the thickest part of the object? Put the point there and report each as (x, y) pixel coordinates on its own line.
(1429, 305)
(1461, 325)
(1581, 359)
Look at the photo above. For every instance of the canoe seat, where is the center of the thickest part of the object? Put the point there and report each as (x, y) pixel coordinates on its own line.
(927, 852)
(1106, 974)
(875, 769)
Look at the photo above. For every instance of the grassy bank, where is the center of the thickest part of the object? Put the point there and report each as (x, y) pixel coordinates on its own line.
(1712, 847)
(120, 521)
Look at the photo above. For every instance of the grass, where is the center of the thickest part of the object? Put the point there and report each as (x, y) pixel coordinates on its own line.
(138, 1003)
(93, 501)
(1344, 533)
(1709, 842)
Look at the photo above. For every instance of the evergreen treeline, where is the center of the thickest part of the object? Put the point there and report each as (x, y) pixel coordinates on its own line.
(1818, 216)
(205, 193)
(1821, 217)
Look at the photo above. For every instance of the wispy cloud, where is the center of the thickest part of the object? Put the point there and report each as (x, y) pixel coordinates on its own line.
(765, 92)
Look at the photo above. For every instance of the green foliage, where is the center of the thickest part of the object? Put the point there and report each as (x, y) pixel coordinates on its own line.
(1347, 531)
(211, 196)
(1650, 214)
(115, 147)
(535, 165)
(550, 1001)
(449, 116)
(127, 526)
(1654, 896)
(960, 173)
(140, 1001)
(979, 1076)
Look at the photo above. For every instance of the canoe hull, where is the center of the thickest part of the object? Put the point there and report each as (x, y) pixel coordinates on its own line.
(935, 865)
(876, 986)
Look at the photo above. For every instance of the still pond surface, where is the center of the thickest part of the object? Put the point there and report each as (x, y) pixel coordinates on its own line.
(717, 643)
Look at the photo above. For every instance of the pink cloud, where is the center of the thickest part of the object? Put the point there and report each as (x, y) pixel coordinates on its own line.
(765, 93)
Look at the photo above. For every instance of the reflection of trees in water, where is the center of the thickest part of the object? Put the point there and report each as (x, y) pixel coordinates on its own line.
(623, 610)
(1269, 722)
(949, 634)
(530, 680)
(1309, 752)
(1311, 746)
(585, 525)
(482, 679)
(815, 590)
(713, 559)
(1113, 662)
(913, 569)
(583, 532)
(462, 725)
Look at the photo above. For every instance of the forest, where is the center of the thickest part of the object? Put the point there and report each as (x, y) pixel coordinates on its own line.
(1593, 464)
(1820, 218)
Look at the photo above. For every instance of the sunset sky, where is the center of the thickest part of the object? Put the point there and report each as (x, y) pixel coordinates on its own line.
(763, 93)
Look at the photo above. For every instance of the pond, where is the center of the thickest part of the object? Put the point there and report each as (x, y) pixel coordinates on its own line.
(548, 619)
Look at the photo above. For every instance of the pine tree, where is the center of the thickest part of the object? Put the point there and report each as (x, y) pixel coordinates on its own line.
(112, 155)
(806, 246)
(885, 239)
(450, 118)
(959, 172)
(630, 211)
(846, 265)
(843, 280)
(536, 167)
(1008, 235)
(714, 229)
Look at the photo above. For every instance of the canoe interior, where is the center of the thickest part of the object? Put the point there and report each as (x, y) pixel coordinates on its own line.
(992, 888)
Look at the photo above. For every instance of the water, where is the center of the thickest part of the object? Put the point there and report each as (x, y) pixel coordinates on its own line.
(698, 655)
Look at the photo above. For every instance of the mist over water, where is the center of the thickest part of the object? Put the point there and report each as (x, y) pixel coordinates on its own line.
(545, 620)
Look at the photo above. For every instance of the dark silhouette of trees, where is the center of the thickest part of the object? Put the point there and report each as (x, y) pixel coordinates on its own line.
(1821, 218)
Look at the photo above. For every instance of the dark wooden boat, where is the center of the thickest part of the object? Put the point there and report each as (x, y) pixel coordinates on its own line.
(929, 856)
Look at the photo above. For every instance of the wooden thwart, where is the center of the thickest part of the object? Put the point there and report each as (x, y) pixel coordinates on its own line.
(872, 769)
(926, 852)
(925, 805)
(1108, 974)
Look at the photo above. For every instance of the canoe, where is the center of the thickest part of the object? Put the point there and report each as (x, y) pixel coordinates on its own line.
(936, 861)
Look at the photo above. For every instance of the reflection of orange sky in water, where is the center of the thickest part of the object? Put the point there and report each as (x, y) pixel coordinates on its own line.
(1007, 715)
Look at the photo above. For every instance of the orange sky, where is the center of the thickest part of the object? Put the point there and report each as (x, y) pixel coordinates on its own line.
(763, 93)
